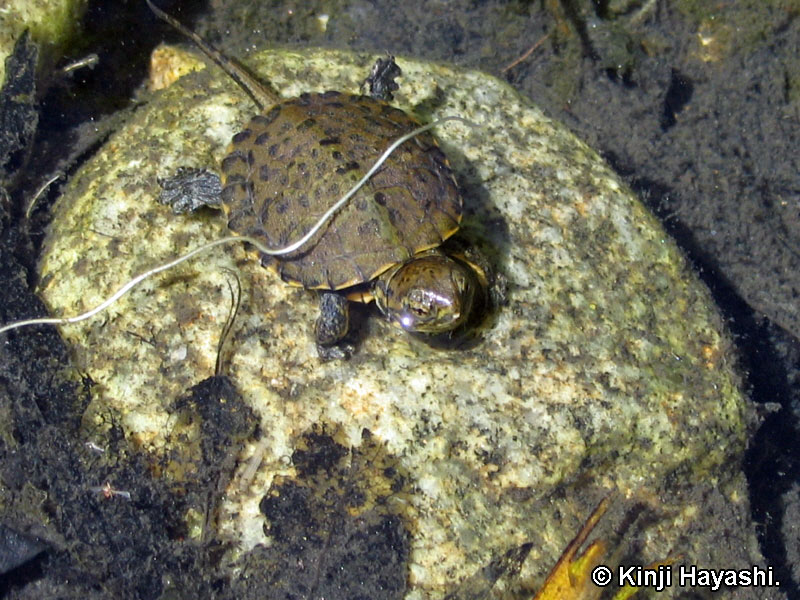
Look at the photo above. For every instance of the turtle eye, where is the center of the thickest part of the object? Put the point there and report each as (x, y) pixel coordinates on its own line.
(420, 303)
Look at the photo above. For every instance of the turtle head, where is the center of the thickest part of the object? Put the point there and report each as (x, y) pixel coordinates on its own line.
(431, 293)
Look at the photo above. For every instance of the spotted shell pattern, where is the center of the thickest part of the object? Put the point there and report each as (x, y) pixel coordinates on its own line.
(287, 167)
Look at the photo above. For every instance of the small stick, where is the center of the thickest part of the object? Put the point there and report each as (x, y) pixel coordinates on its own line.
(90, 60)
(527, 53)
(261, 94)
(41, 191)
(236, 297)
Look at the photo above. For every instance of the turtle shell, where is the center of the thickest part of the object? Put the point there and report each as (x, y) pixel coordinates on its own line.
(290, 165)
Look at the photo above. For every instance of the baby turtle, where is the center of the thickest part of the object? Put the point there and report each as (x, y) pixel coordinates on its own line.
(294, 160)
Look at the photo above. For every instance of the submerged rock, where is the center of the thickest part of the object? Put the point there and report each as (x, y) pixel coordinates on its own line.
(608, 368)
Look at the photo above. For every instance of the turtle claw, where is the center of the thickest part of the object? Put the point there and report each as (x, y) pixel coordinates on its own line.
(189, 189)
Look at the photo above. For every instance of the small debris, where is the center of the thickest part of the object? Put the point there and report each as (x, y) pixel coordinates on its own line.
(109, 492)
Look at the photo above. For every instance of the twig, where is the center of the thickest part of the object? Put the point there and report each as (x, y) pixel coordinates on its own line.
(528, 52)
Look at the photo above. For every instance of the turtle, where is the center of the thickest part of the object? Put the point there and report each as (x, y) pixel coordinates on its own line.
(296, 157)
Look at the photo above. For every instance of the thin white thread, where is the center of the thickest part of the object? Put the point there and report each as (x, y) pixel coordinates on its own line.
(341, 202)
(234, 238)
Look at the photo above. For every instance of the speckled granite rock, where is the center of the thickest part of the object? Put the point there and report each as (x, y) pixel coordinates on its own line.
(51, 23)
(607, 369)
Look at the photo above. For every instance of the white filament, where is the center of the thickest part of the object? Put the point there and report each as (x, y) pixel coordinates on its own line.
(238, 238)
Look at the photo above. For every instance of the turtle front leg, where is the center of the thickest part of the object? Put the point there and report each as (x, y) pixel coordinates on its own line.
(190, 189)
(331, 327)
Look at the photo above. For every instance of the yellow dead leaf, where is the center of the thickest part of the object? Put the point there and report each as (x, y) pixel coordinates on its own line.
(569, 579)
